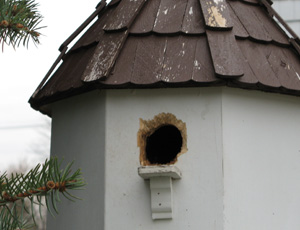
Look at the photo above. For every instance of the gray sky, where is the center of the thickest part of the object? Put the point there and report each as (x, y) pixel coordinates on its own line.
(22, 129)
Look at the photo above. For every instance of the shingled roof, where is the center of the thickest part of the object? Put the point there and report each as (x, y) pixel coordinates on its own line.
(178, 43)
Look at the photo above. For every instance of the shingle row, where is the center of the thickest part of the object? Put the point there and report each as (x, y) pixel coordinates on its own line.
(173, 43)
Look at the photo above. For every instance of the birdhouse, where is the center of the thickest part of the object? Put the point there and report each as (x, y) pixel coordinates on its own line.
(182, 114)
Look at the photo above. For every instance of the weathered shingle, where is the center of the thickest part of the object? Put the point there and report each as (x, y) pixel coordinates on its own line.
(178, 43)
(105, 56)
(145, 20)
(225, 54)
(216, 14)
(124, 15)
(193, 22)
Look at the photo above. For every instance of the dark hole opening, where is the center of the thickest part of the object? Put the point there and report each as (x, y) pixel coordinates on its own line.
(163, 145)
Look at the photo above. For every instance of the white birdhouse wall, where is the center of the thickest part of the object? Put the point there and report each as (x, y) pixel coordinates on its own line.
(240, 170)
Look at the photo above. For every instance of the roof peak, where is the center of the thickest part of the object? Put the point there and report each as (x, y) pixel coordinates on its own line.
(167, 43)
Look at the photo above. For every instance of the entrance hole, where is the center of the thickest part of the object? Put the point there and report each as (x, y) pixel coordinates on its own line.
(163, 145)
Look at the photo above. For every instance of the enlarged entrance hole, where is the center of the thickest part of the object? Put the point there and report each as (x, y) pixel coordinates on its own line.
(163, 145)
(161, 140)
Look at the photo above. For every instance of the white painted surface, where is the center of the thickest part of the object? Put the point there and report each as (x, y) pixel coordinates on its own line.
(160, 188)
(147, 172)
(197, 197)
(261, 135)
(260, 145)
(161, 177)
(161, 197)
(78, 134)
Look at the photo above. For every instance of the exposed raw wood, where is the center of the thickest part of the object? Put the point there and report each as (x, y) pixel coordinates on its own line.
(216, 14)
(104, 56)
(224, 49)
(147, 127)
(124, 15)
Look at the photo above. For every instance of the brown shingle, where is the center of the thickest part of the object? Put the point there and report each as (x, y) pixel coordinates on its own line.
(145, 20)
(225, 54)
(203, 71)
(178, 43)
(146, 68)
(169, 17)
(257, 59)
(216, 14)
(193, 22)
(124, 15)
(238, 29)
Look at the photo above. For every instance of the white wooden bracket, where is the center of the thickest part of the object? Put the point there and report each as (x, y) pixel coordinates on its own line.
(161, 188)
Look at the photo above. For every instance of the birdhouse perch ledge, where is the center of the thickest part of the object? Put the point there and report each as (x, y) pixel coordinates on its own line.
(161, 188)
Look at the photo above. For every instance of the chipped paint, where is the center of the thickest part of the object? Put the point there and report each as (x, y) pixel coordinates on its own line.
(165, 11)
(216, 19)
(197, 65)
(182, 53)
(191, 11)
(124, 14)
(218, 1)
(298, 76)
(166, 79)
(103, 59)
(156, 18)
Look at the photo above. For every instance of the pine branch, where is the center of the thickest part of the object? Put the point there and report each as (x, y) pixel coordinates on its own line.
(19, 20)
(47, 181)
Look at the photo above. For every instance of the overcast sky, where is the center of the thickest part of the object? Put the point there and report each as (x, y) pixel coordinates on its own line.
(23, 131)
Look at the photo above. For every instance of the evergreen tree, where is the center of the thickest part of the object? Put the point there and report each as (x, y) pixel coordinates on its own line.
(19, 20)
(43, 182)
